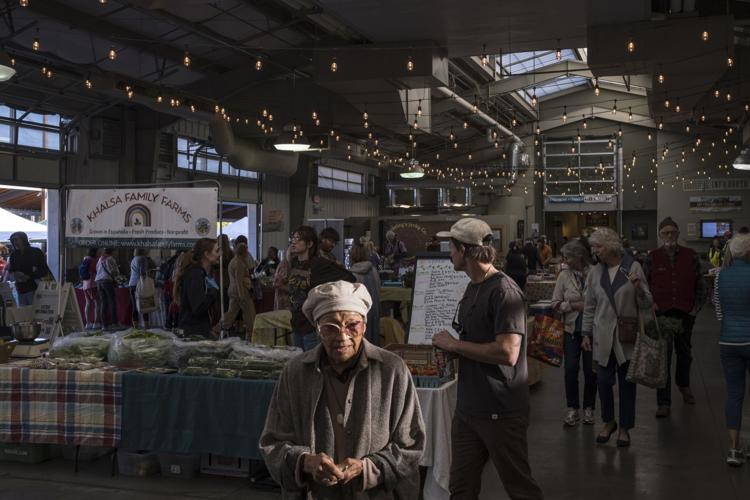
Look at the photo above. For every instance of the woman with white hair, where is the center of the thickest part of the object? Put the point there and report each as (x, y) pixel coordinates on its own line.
(568, 299)
(616, 295)
(344, 420)
(732, 301)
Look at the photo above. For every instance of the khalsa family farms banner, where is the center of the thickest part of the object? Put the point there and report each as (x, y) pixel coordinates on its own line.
(140, 218)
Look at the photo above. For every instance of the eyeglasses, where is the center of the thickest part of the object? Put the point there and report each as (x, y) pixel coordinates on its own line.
(295, 237)
(330, 329)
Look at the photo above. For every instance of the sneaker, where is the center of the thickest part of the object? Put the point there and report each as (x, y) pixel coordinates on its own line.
(735, 458)
(588, 416)
(572, 417)
(89, 326)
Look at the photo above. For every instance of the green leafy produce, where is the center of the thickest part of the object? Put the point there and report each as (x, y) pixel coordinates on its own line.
(76, 347)
(203, 361)
(196, 371)
(224, 373)
(183, 351)
(668, 327)
(138, 348)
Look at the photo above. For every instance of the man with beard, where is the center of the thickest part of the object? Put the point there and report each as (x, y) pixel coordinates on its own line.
(492, 405)
(676, 282)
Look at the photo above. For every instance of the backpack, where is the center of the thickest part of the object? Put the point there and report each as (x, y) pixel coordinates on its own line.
(84, 269)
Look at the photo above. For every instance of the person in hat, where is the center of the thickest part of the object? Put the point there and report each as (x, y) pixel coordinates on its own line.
(492, 406)
(28, 266)
(676, 282)
(344, 419)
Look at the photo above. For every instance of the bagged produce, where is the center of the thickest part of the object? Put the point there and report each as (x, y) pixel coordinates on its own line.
(95, 346)
(183, 350)
(137, 348)
(280, 354)
(195, 371)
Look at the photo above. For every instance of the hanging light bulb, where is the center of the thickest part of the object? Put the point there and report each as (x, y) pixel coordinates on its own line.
(730, 61)
(485, 57)
(419, 108)
(677, 108)
(451, 136)
(596, 87)
(366, 124)
(36, 44)
(129, 91)
(365, 115)
(660, 78)
(585, 124)
(578, 135)
(466, 124)
(192, 110)
(729, 96)
(703, 116)
(533, 97)
(159, 98)
(565, 114)
(666, 102)
(513, 121)
(88, 83)
(416, 123)
(729, 118)
(314, 115)
(538, 129)
(112, 53)
(186, 61)
(49, 73)
(410, 64)
(661, 124)
(631, 46)
(630, 113)
(704, 35)
(44, 70)
(23, 3)
(103, 2)
(717, 93)
(334, 65)
(619, 131)
(687, 128)
(614, 107)
(259, 65)
(649, 136)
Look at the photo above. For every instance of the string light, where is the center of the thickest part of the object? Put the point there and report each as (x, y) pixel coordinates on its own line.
(729, 96)
(192, 110)
(36, 44)
(419, 108)
(565, 114)
(619, 131)
(677, 108)
(475, 107)
(451, 136)
(112, 53)
(660, 78)
(88, 83)
(314, 115)
(704, 35)
(730, 61)
(485, 58)
(661, 124)
(533, 97)
(49, 73)
(466, 124)
(717, 93)
(159, 98)
(614, 107)
(410, 64)
(596, 87)
(630, 113)
(631, 46)
(23, 3)
(129, 91)
(649, 136)
(666, 101)
(259, 65)
(186, 59)
(334, 65)
(365, 115)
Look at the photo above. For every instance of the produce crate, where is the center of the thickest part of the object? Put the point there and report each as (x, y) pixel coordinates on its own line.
(182, 465)
(430, 367)
(28, 453)
(218, 465)
(137, 463)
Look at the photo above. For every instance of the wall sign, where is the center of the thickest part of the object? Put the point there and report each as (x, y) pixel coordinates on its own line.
(716, 203)
(140, 218)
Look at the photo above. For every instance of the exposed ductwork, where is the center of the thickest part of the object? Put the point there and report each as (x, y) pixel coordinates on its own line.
(246, 155)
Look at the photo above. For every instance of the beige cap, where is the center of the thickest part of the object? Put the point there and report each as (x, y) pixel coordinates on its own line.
(470, 231)
(336, 296)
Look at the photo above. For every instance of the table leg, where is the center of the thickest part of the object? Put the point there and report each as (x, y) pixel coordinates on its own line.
(75, 460)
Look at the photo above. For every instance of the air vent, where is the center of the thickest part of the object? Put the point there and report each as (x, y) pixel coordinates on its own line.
(105, 138)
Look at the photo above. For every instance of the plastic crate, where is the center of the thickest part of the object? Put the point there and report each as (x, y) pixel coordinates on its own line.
(28, 453)
(182, 465)
(218, 465)
(425, 357)
(137, 463)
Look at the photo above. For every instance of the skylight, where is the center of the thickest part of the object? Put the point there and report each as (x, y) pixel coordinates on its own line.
(518, 63)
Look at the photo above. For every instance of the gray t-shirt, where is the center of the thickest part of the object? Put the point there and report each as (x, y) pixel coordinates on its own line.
(495, 306)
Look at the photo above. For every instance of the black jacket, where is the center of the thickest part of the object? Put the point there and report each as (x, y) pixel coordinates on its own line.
(196, 298)
(28, 260)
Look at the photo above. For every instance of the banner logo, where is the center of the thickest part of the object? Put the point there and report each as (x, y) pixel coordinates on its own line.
(138, 215)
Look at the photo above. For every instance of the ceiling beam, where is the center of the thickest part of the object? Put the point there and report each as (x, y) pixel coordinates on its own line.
(81, 21)
(543, 75)
(596, 113)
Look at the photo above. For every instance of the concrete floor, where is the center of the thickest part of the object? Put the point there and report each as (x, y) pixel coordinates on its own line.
(679, 458)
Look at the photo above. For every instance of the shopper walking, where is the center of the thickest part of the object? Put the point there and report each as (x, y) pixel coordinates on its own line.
(732, 300)
(28, 265)
(616, 293)
(196, 289)
(515, 265)
(676, 281)
(715, 252)
(492, 407)
(568, 298)
(329, 238)
(87, 273)
(241, 290)
(138, 270)
(106, 274)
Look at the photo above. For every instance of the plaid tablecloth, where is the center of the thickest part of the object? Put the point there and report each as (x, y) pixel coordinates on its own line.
(60, 407)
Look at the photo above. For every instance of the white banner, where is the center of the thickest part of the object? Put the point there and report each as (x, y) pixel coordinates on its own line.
(151, 217)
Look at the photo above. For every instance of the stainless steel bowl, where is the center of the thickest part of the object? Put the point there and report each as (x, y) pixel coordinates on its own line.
(26, 331)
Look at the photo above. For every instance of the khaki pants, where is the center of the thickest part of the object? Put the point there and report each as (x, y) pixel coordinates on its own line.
(247, 306)
(475, 440)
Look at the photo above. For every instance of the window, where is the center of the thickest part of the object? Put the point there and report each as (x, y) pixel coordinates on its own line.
(35, 130)
(517, 63)
(206, 159)
(340, 180)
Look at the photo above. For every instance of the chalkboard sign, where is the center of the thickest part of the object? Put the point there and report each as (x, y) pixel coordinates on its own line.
(437, 290)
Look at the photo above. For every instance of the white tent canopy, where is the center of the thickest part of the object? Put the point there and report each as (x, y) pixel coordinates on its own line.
(10, 223)
(237, 228)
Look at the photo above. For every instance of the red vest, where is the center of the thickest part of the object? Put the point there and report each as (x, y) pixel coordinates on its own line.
(673, 285)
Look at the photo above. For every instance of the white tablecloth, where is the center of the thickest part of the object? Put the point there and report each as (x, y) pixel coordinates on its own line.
(438, 406)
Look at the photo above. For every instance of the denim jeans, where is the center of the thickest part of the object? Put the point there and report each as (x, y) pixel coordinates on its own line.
(682, 348)
(573, 353)
(306, 341)
(107, 302)
(26, 299)
(605, 378)
(736, 362)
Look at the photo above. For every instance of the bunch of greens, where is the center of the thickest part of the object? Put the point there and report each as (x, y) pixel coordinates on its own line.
(78, 347)
(667, 328)
(138, 348)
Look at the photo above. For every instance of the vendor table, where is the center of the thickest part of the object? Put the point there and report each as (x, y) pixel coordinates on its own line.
(437, 407)
(60, 406)
(273, 327)
(122, 298)
(180, 414)
(536, 290)
(400, 295)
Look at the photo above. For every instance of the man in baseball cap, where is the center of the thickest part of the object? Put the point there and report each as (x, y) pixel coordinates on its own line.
(492, 407)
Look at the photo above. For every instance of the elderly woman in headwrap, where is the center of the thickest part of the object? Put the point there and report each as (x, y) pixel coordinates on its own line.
(344, 421)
